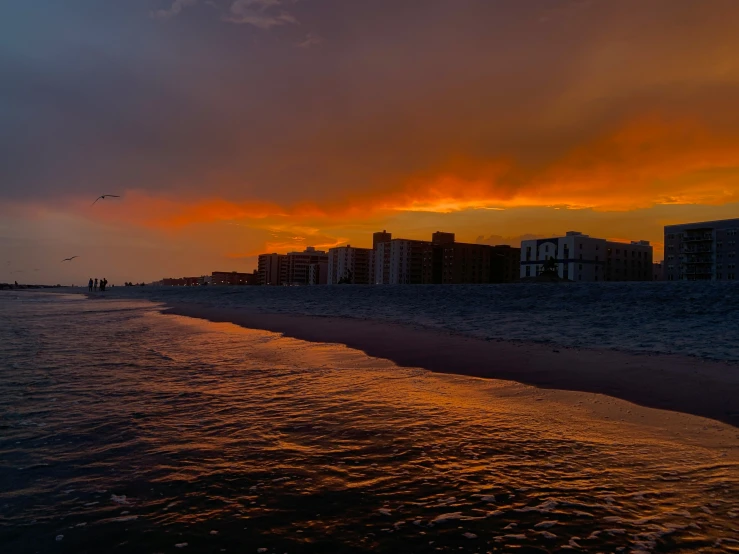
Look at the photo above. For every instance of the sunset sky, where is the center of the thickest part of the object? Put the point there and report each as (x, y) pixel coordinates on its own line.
(235, 127)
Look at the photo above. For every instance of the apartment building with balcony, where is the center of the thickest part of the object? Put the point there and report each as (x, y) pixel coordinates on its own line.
(318, 273)
(703, 251)
(404, 262)
(505, 263)
(298, 264)
(350, 265)
(579, 257)
(272, 269)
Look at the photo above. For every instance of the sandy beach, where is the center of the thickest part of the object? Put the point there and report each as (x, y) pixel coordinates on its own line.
(689, 385)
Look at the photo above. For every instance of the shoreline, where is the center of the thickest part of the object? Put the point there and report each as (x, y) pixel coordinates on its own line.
(708, 389)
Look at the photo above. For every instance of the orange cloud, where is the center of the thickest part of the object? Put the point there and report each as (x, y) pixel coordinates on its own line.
(646, 162)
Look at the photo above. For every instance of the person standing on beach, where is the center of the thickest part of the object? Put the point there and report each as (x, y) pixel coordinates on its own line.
(103, 284)
(89, 285)
(95, 286)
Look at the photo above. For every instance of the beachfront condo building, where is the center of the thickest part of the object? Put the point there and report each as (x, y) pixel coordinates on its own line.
(293, 268)
(350, 265)
(404, 262)
(318, 273)
(458, 263)
(704, 251)
(272, 269)
(380, 236)
(579, 257)
(443, 261)
(505, 262)
(298, 264)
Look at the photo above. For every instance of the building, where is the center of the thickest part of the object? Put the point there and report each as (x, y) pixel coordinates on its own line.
(299, 262)
(458, 262)
(318, 274)
(658, 271)
(234, 278)
(350, 265)
(404, 262)
(272, 269)
(182, 282)
(702, 251)
(579, 257)
(379, 237)
(440, 237)
(505, 264)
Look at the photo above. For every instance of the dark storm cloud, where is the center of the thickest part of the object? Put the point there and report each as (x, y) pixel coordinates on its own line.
(220, 99)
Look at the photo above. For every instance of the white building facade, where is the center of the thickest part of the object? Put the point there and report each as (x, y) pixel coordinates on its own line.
(579, 257)
(350, 265)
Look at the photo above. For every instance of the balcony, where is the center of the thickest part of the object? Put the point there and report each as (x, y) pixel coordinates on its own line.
(699, 237)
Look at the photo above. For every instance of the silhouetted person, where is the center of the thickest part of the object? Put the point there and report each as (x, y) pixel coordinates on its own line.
(95, 286)
(103, 284)
(89, 285)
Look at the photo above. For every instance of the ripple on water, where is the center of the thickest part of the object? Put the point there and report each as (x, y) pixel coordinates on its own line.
(133, 431)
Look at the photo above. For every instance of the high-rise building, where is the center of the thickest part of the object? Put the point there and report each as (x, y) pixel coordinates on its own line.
(702, 251)
(460, 262)
(272, 269)
(505, 264)
(404, 262)
(318, 273)
(350, 265)
(298, 263)
(380, 237)
(440, 237)
(579, 257)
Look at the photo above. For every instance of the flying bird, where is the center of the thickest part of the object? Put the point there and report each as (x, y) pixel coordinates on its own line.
(70, 259)
(104, 196)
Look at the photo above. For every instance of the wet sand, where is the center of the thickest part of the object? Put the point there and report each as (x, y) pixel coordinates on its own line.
(693, 386)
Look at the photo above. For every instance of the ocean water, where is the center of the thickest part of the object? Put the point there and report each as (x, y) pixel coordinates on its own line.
(689, 318)
(126, 430)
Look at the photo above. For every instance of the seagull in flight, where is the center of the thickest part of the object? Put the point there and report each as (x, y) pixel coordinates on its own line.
(70, 259)
(104, 196)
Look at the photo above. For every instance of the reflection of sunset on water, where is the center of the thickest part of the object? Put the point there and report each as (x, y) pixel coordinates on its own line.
(292, 446)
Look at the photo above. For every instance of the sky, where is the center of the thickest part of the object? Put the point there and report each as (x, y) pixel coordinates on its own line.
(235, 127)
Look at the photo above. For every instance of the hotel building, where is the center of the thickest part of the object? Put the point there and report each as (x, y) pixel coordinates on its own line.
(350, 265)
(705, 251)
(579, 257)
